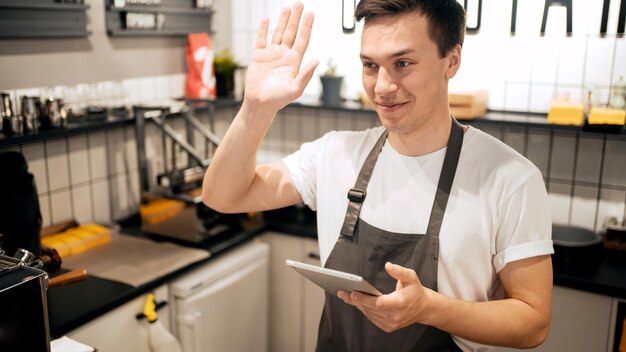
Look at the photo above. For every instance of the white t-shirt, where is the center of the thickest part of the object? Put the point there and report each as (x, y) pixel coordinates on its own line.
(497, 212)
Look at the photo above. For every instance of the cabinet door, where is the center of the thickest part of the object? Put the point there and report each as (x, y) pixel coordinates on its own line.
(119, 330)
(313, 298)
(285, 292)
(230, 314)
(580, 322)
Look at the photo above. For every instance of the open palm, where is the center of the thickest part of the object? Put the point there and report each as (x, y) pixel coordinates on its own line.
(275, 76)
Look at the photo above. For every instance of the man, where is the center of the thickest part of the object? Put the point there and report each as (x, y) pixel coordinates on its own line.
(481, 274)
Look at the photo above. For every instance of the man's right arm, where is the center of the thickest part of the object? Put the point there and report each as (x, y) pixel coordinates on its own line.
(233, 181)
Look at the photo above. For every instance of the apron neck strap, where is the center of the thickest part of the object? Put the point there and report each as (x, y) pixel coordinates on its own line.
(357, 194)
(450, 162)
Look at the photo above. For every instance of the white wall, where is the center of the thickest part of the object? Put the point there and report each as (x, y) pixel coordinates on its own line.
(522, 72)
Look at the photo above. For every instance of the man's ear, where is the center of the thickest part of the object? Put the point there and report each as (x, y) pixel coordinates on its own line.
(454, 61)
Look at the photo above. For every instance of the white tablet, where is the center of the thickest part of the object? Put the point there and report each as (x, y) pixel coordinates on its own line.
(333, 280)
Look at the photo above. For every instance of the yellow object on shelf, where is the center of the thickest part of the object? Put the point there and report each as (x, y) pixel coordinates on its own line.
(78, 239)
(607, 116)
(159, 210)
(565, 112)
(468, 105)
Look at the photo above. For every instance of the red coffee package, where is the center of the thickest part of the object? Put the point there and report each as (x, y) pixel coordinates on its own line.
(200, 82)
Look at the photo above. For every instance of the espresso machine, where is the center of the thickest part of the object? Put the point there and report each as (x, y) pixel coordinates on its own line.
(23, 300)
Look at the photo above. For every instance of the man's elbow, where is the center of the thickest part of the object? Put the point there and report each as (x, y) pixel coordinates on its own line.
(212, 200)
(535, 335)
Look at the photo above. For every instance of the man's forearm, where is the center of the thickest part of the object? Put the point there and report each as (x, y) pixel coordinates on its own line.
(507, 322)
(232, 168)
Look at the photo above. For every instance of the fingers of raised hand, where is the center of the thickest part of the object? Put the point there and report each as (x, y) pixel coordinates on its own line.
(277, 38)
(289, 35)
(261, 36)
(302, 40)
(287, 29)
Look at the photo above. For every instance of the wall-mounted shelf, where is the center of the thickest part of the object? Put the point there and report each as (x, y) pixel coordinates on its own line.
(160, 18)
(167, 10)
(42, 19)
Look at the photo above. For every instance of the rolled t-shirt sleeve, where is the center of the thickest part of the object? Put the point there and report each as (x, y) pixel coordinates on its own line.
(524, 224)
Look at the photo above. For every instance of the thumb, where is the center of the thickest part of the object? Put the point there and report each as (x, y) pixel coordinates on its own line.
(405, 276)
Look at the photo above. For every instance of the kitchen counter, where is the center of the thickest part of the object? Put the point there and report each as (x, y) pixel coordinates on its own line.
(606, 277)
(74, 304)
(77, 303)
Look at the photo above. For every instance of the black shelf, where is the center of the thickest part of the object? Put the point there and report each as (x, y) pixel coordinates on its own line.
(38, 5)
(166, 19)
(40, 19)
(76, 128)
(147, 33)
(492, 118)
(45, 34)
(512, 119)
(72, 129)
(166, 10)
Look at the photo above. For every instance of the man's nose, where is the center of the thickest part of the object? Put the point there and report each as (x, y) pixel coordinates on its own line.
(385, 83)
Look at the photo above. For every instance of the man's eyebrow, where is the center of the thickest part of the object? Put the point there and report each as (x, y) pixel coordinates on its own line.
(396, 54)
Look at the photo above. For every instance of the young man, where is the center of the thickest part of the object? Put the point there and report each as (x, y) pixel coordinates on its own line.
(448, 222)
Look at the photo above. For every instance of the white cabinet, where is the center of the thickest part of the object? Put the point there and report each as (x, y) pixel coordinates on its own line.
(119, 330)
(313, 300)
(295, 303)
(223, 305)
(581, 322)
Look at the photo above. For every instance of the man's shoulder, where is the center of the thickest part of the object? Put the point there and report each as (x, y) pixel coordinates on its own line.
(351, 140)
(489, 155)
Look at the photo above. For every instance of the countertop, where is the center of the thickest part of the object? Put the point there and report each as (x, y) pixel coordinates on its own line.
(75, 304)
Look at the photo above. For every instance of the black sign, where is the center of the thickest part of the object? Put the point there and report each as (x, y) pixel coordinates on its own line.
(621, 24)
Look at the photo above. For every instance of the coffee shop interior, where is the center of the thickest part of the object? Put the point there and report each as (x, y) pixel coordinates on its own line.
(112, 110)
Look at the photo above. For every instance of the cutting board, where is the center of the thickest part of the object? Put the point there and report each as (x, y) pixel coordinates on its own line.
(468, 105)
(134, 260)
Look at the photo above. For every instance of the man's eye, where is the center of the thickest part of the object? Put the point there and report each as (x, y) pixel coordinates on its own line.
(369, 65)
(401, 64)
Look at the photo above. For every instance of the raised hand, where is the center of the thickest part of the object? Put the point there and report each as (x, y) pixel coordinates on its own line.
(275, 74)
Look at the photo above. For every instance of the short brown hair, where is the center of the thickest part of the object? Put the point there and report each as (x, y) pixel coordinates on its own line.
(446, 18)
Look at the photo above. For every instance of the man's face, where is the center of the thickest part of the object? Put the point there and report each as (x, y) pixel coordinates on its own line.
(403, 75)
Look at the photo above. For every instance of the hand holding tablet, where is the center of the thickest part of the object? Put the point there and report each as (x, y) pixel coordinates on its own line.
(333, 281)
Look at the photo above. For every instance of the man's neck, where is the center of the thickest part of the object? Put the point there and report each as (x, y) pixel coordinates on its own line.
(430, 136)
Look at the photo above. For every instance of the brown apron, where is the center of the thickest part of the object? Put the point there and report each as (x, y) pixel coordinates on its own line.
(364, 249)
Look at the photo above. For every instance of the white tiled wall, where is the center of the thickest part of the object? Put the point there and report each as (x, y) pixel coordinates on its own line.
(94, 177)
(521, 73)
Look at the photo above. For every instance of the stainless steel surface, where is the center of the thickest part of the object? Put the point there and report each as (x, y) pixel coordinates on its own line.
(173, 135)
(8, 263)
(6, 112)
(55, 115)
(25, 256)
(16, 124)
(185, 226)
(24, 306)
(134, 260)
(30, 113)
(173, 179)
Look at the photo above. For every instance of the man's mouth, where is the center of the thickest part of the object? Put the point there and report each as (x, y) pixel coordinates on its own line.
(390, 106)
